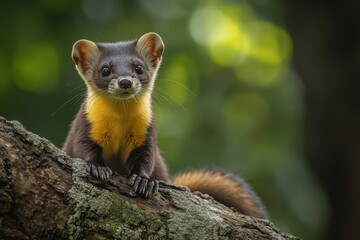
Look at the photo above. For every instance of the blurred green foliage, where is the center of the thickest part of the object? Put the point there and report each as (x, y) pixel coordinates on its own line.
(226, 95)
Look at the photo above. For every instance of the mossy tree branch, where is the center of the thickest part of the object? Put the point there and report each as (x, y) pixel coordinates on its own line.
(44, 194)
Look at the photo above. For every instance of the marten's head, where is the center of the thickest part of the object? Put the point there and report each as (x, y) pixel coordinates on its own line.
(121, 70)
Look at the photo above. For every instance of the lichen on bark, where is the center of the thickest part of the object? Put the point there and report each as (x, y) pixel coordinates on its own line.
(44, 194)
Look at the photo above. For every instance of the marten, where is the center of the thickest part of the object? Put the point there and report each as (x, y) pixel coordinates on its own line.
(114, 130)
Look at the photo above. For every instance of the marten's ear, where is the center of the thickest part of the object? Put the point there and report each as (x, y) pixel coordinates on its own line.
(151, 46)
(85, 55)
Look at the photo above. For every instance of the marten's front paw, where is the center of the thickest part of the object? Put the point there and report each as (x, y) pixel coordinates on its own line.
(143, 185)
(97, 171)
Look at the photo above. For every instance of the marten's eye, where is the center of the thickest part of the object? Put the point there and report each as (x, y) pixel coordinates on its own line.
(105, 71)
(139, 69)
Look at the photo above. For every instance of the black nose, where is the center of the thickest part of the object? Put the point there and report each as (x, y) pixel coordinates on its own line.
(125, 83)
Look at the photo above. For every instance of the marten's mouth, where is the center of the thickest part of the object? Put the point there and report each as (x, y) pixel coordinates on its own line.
(122, 95)
(126, 94)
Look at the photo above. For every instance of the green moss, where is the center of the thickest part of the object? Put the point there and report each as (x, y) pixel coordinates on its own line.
(203, 222)
(103, 212)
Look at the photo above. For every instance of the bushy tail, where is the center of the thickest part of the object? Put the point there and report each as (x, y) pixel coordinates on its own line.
(224, 188)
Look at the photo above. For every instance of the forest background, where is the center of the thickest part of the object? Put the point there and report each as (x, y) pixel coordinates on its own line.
(266, 89)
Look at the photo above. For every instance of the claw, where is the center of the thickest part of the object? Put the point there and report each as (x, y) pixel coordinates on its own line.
(94, 171)
(136, 183)
(109, 171)
(149, 189)
(143, 185)
(101, 173)
(131, 179)
(97, 171)
(156, 187)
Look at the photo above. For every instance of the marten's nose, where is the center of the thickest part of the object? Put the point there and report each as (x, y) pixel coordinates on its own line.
(125, 83)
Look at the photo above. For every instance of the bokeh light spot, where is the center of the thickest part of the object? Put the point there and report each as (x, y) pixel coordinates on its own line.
(222, 31)
(36, 67)
(234, 37)
(208, 26)
(233, 47)
(271, 43)
(268, 55)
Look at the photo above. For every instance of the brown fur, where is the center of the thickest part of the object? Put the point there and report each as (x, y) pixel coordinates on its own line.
(119, 135)
(224, 188)
(114, 129)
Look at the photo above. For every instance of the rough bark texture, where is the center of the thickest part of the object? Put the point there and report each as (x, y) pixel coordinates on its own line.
(44, 194)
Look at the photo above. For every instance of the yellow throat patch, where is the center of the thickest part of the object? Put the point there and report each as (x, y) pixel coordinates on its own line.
(118, 126)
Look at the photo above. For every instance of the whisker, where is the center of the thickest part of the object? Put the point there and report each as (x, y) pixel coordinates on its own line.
(156, 101)
(178, 84)
(170, 97)
(80, 86)
(79, 96)
(166, 100)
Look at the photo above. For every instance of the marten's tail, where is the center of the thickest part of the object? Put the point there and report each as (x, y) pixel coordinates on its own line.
(224, 188)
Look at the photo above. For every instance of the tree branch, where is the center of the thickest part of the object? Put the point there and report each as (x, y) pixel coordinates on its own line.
(44, 194)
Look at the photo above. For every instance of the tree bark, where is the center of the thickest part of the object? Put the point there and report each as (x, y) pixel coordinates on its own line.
(44, 194)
